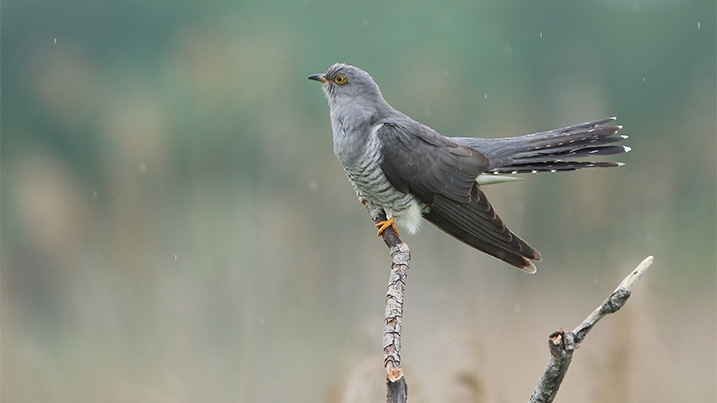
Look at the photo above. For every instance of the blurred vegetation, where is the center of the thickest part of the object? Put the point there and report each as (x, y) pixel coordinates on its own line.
(175, 226)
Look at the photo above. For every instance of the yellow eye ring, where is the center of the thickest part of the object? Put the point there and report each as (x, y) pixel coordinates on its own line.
(340, 79)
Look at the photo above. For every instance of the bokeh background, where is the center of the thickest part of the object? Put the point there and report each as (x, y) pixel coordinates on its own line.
(176, 228)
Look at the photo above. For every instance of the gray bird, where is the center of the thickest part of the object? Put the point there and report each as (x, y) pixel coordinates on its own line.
(413, 172)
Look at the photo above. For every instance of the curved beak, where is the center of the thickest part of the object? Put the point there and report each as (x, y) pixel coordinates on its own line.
(318, 77)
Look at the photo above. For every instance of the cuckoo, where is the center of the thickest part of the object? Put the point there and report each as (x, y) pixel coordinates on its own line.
(412, 172)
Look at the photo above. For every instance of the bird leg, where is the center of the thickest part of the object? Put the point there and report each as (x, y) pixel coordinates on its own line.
(372, 209)
(383, 225)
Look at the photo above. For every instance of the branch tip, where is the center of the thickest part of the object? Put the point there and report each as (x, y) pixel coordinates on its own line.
(557, 337)
(636, 274)
(394, 374)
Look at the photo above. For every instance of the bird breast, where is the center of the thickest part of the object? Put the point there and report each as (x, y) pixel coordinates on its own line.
(362, 165)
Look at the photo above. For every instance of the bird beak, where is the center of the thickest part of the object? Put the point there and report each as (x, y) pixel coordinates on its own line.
(318, 77)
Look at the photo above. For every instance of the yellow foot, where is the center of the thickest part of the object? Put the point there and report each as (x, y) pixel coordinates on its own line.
(385, 224)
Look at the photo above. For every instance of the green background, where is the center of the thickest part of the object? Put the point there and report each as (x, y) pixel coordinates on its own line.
(175, 226)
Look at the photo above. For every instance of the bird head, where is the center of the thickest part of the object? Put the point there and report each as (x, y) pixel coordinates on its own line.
(343, 84)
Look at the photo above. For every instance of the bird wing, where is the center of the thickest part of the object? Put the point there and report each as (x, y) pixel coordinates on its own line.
(441, 173)
(417, 160)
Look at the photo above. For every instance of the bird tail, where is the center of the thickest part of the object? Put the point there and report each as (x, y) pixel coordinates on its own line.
(551, 151)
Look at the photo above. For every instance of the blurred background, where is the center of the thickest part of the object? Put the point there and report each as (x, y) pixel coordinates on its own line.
(176, 228)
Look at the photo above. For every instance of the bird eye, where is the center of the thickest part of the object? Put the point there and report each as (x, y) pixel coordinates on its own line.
(340, 79)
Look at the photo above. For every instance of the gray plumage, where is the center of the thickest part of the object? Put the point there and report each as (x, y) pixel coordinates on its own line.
(413, 172)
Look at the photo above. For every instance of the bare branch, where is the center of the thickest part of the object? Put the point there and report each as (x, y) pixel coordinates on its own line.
(563, 344)
(397, 388)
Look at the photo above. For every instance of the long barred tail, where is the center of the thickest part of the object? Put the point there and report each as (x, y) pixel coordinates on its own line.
(551, 151)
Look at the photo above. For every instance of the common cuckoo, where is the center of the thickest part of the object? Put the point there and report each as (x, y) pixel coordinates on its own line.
(413, 172)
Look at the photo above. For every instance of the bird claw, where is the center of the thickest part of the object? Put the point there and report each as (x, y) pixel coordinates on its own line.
(383, 225)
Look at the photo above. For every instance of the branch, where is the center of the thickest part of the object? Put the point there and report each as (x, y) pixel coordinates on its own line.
(400, 259)
(563, 344)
